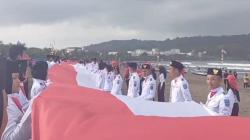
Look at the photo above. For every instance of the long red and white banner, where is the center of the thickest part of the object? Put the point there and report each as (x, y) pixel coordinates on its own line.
(67, 111)
(143, 107)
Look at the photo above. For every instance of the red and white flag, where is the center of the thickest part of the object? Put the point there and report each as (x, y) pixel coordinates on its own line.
(66, 111)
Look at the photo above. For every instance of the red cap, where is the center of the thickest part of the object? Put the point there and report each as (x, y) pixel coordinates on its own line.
(233, 82)
(115, 63)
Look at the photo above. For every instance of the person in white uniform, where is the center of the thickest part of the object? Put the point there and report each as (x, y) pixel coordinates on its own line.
(80, 65)
(108, 79)
(13, 83)
(217, 101)
(117, 83)
(39, 74)
(88, 65)
(50, 60)
(179, 91)
(149, 83)
(134, 81)
(100, 75)
(19, 119)
(93, 65)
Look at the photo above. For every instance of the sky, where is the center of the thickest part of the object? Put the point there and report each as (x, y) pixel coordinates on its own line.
(76, 23)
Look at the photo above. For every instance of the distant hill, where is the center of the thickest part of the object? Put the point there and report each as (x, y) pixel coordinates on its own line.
(237, 46)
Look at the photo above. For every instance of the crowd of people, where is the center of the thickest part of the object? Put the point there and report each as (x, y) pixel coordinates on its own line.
(141, 81)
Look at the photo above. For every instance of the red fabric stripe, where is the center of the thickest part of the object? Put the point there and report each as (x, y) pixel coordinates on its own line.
(18, 104)
(68, 112)
(23, 91)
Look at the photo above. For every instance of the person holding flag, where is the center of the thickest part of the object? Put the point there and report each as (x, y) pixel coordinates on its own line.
(134, 82)
(179, 91)
(148, 84)
(217, 101)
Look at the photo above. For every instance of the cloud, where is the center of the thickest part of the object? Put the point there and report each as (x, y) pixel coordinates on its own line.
(77, 22)
(64, 34)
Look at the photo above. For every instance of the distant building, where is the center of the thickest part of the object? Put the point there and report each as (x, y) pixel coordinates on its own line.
(171, 52)
(132, 53)
(189, 54)
(200, 54)
(71, 49)
(137, 52)
(155, 52)
(129, 52)
(112, 53)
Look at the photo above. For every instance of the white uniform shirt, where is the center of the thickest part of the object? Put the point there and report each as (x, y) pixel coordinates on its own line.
(219, 103)
(117, 85)
(232, 98)
(95, 67)
(19, 122)
(81, 67)
(148, 88)
(134, 85)
(21, 98)
(108, 81)
(179, 91)
(91, 66)
(100, 75)
(162, 79)
(50, 64)
(37, 87)
(88, 67)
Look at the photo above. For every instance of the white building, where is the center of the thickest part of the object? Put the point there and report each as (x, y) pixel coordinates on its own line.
(138, 52)
(71, 49)
(112, 53)
(155, 52)
(171, 52)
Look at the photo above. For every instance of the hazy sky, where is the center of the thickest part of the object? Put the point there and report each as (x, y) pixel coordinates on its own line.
(82, 22)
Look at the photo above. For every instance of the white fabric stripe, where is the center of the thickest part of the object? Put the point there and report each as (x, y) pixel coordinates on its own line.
(146, 108)
(163, 109)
